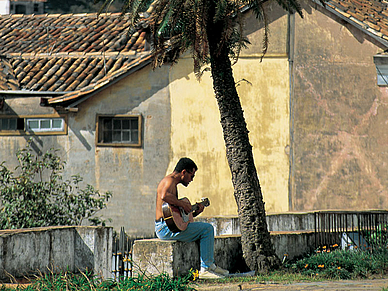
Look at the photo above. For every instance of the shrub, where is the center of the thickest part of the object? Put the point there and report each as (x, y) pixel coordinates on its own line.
(38, 196)
(343, 264)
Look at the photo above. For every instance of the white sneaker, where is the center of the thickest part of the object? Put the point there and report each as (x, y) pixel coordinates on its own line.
(219, 270)
(207, 274)
(213, 272)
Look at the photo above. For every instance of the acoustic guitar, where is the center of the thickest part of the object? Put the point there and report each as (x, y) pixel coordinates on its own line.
(176, 218)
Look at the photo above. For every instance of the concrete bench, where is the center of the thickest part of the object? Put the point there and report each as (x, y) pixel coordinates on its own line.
(155, 256)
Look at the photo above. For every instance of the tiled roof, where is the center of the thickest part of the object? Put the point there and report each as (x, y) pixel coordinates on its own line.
(80, 54)
(67, 53)
(113, 75)
(59, 73)
(368, 15)
(85, 33)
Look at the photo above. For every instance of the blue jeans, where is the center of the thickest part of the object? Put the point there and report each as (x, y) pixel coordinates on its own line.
(201, 231)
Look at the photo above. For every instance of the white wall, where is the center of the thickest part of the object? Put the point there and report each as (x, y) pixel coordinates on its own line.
(4, 6)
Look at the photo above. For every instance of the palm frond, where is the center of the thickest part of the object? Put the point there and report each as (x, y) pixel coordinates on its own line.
(104, 6)
(266, 34)
(238, 42)
(179, 25)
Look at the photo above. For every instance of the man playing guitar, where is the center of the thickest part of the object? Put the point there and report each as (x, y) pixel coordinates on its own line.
(167, 192)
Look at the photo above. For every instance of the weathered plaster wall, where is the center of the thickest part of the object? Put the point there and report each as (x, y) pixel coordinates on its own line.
(132, 174)
(340, 117)
(14, 105)
(197, 133)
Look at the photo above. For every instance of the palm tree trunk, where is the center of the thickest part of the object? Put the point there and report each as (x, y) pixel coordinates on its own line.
(256, 243)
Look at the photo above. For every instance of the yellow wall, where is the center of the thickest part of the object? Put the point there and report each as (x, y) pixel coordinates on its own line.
(196, 131)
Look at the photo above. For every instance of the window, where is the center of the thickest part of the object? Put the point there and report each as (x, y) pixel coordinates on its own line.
(44, 124)
(20, 9)
(381, 62)
(11, 124)
(27, 125)
(36, 7)
(119, 130)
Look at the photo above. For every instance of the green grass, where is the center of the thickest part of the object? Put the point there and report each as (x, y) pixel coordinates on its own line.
(87, 282)
(325, 264)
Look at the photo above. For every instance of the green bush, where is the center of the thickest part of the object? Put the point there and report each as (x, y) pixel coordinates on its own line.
(38, 196)
(343, 264)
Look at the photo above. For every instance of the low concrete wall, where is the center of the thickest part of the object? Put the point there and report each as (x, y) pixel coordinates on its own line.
(155, 256)
(291, 221)
(24, 252)
(293, 244)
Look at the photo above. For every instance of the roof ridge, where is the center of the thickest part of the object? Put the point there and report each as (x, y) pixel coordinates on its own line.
(75, 54)
(62, 15)
(101, 83)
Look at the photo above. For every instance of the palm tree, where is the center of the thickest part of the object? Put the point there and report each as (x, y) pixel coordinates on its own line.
(212, 29)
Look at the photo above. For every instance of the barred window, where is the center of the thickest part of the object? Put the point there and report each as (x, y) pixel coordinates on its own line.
(119, 130)
(11, 124)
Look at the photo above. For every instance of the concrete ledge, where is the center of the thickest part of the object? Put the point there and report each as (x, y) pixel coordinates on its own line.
(293, 244)
(24, 252)
(289, 221)
(155, 256)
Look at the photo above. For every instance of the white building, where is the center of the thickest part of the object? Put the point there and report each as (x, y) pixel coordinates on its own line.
(22, 7)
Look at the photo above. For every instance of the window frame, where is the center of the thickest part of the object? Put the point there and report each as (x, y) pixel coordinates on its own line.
(381, 63)
(25, 131)
(40, 129)
(99, 129)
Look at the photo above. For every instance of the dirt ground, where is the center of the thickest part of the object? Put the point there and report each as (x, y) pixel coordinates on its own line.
(345, 285)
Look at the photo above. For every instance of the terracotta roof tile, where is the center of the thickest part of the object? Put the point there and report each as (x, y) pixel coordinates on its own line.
(7, 79)
(63, 33)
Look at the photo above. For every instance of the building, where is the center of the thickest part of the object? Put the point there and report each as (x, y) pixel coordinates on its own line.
(316, 113)
(22, 7)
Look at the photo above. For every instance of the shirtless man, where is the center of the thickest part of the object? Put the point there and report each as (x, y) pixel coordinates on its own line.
(184, 173)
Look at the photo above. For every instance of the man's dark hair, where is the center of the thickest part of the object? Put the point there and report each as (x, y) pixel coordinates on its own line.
(185, 164)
